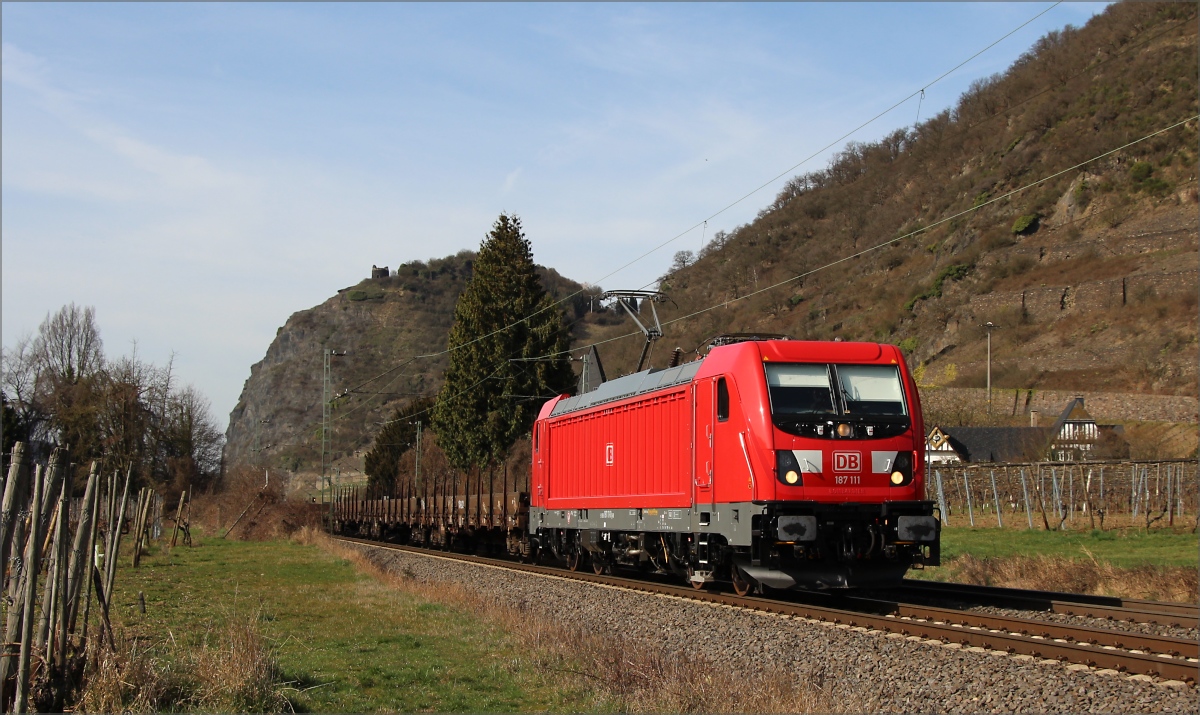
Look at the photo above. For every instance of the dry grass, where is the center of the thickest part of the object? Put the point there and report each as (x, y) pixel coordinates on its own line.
(270, 515)
(625, 674)
(231, 669)
(1159, 583)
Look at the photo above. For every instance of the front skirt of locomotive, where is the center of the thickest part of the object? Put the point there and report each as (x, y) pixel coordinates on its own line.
(816, 546)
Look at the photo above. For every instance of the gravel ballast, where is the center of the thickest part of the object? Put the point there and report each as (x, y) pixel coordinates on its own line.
(894, 674)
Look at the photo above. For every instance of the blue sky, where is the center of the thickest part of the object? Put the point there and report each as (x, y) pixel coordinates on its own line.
(199, 172)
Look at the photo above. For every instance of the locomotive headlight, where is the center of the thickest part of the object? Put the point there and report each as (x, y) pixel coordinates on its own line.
(902, 469)
(787, 468)
(844, 430)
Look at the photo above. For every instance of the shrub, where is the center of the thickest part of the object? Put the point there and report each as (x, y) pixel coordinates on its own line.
(908, 345)
(1140, 171)
(955, 272)
(1156, 186)
(1025, 225)
(369, 293)
(1082, 194)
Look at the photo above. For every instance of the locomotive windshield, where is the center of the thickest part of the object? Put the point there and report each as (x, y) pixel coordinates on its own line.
(799, 389)
(871, 389)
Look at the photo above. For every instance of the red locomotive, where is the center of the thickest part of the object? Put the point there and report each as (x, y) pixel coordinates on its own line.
(768, 462)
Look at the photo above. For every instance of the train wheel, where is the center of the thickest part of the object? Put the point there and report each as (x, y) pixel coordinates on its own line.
(742, 584)
(573, 559)
(698, 585)
(599, 567)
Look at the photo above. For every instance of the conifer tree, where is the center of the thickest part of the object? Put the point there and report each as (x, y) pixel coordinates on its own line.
(503, 319)
(382, 462)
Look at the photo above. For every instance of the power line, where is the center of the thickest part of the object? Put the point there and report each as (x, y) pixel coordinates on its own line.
(1091, 68)
(817, 153)
(704, 222)
(897, 239)
(934, 224)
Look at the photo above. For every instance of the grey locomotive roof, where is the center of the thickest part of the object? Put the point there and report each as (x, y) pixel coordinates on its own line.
(638, 383)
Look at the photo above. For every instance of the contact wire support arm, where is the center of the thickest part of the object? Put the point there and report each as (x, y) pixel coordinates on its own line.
(638, 299)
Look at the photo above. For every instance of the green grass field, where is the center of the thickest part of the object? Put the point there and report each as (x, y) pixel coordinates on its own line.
(1159, 564)
(1126, 548)
(344, 641)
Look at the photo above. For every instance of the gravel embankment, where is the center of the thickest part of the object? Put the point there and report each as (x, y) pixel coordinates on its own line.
(896, 674)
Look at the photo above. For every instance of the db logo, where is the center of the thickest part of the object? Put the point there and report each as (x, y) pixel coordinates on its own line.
(847, 461)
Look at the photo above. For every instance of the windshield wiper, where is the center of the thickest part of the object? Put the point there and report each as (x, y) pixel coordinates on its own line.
(846, 398)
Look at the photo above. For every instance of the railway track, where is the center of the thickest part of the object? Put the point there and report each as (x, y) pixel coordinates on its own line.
(1184, 615)
(1133, 653)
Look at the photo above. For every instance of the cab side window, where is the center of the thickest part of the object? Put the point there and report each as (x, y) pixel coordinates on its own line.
(722, 400)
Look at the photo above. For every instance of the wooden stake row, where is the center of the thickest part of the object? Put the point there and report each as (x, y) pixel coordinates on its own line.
(43, 649)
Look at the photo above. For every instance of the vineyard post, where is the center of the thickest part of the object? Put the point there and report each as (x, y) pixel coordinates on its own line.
(33, 555)
(80, 550)
(967, 489)
(12, 498)
(114, 549)
(941, 495)
(178, 515)
(996, 494)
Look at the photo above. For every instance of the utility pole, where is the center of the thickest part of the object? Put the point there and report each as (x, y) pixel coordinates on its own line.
(257, 440)
(326, 408)
(418, 465)
(989, 326)
(332, 487)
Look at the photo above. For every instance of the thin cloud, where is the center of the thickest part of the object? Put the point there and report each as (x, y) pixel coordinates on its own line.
(511, 180)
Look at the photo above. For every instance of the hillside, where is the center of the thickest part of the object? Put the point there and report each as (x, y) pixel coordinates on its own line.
(379, 323)
(1091, 276)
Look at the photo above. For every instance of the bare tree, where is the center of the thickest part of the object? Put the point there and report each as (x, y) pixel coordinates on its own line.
(61, 389)
(68, 345)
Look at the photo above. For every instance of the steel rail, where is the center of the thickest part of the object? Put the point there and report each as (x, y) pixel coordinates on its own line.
(1163, 665)
(1185, 615)
(1125, 640)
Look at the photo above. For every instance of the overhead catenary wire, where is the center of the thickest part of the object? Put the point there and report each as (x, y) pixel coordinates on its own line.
(818, 152)
(841, 260)
(1124, 51)
(897, 239)
(704, 222)
(925, 229)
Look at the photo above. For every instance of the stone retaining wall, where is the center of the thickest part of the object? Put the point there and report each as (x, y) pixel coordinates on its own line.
(1103, 406)
(1047, 303)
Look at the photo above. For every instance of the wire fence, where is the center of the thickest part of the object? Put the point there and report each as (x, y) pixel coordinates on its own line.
(1066, 495)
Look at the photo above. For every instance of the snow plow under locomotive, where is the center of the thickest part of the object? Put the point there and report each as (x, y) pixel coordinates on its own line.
(767, 462)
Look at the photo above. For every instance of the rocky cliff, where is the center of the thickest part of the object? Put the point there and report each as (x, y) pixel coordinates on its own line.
(382, 325)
